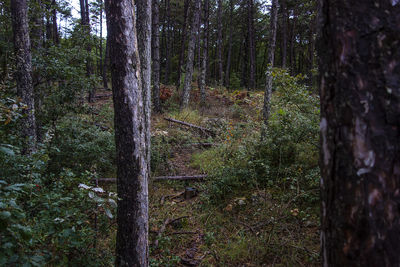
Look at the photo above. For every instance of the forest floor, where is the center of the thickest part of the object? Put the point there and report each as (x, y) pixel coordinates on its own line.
(255, 228)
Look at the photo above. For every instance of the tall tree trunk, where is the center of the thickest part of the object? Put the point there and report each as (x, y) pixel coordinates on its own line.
(106, 62)
(183, 39)
(230, 43)
(220, 76)
(85, 21)
(56, 37)
(144, 44)
(204, 61)
(252, 52)
(101, 40)
(292, 56)
(285, 16)
(271, 54)
(359, 61)
(168, 41)
(132, 171)
(156, 56)
(189, 64)
(23, 74)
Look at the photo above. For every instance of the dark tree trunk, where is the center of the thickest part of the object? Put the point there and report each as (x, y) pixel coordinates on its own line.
(144, 44)
(56, 38)
(132, 171)
(230, 43)
(85, 22)
(167, 41)
(101, 41)
(156, 56)
(359, 61)
(285, 16)
(23, 74)
(270, 62)
(203, 73)
(189, 64)
(220, 76)
(183, 39)
(252, 52)
(292, 56)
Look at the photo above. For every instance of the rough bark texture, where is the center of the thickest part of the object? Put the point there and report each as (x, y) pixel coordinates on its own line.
(189, 64)
(270, 62)
(144, 37)
(156, 56)
(219, 43)
(167, 41)
(360, 141)
(106, 63)
(252, 48)
(204, 60)
(230, 43)
(23, 73)
(183, 39)
(130, 139)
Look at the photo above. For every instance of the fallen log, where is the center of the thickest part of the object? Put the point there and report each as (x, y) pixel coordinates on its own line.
(205, 130)
(161, 178)
(201, 144)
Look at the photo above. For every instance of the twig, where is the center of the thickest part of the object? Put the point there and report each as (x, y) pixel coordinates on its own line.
(205, 130)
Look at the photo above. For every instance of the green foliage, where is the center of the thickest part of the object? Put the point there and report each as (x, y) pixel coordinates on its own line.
(80, 145)
(287, 158)
(234, 81)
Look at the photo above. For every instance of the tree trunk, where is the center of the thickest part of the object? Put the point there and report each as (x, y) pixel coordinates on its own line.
(219, 43)
(106, 62)
(292, 56)
(144, 44)
(285, 16)
(270, 62)
(130, 131)
(183, 39)
(56, 37)
(204, 61)
(359, 61)
(101, 40)
(85, 21)
(167, 41)
(228, 61)
(189, 64)
(23, 74)
(252, 52)
(156, 57)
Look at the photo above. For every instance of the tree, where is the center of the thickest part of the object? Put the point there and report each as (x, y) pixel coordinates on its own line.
(130, 139)
(23, 74)
(183, 39)
(270, 62)
(230, 44)
(190, 57)
(252, 48)
(219, 42)
(144, 33)
(204, 60)
(155, 43)
(359, 61)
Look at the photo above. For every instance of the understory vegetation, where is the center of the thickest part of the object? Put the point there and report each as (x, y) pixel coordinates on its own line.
(258, 204)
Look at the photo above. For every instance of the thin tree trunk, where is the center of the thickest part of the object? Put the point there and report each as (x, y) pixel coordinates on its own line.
(271, 53)
(56, 37)
(189, 64)
(284, 32)
(101, 40)
(130, 136)
(156, 56)
(183, 39)
(85, 21)
(23, 74)
(359, 61)
(204, 61)
(219, 43)
(168, 42)
(292, 56)
(106, 62)
(228, 61)
(144, 44)
(252, 52)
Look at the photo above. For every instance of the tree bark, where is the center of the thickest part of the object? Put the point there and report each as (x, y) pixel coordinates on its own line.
(270, 62)
(189, 64)
(285, 16)
(230, 43)
(106, 62)
(359, 61)
(167, 41)
(292, 56)
(23, 74)
(219, 43)
(252, 52)
(56, 37)
(144, 23)
(130, 136)
(183, 39)
(204, 60)
(156, 56)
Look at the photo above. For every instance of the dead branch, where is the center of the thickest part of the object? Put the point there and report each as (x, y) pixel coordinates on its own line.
(183, 233)
(205, 130)
(198, 178)
(164, 227)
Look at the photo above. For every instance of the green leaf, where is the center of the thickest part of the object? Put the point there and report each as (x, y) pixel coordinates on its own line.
(5, 215)
(7, 149)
